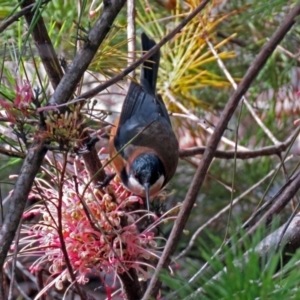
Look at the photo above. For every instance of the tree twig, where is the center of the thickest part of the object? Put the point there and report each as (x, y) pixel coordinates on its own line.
(187, 152)
(292, 187)
(96, 35)
(224, 210)
(15, 283)
(244, 154)
(44, 45)
(4, 24)
(14, 261)
(202, 123)
(234, 85)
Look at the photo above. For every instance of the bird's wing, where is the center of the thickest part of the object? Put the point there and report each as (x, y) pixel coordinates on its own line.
(139, 110)
(133, 103)
(142, 106)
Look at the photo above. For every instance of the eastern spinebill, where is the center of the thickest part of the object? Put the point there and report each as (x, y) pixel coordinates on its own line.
(147, 164)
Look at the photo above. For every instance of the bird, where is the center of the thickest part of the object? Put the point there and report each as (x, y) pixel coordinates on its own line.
(143, 135)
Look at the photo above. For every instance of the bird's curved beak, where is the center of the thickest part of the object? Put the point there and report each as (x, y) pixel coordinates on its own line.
(147, 192)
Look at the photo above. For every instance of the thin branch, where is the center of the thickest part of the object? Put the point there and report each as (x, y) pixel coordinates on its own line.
(234, 85)
(15, 283)
(208, 155)
(14, 260)
(131, 291)
(236, 41)
(26, 273)
(284, 195)
(290, 54)
(18, 15)
(287, 224)
(94, 166)
(202, 123)
(292, 187)
(244, 154)
(266, 205)
(11, 153)
(60, 228)
(44, 45)
(82, 60)
(225, 210)
(226, 154)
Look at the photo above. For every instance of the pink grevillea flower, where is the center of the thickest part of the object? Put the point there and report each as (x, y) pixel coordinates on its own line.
(97, 229)
(20, 105)
(24, 96)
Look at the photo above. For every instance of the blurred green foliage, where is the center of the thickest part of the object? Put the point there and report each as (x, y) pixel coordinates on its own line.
(239, 275)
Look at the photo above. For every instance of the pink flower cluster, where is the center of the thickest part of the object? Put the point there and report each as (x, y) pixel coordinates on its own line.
(21, 103)
(98, 230)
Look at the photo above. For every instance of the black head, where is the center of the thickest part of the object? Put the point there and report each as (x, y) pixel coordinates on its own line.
(146, 175)
(147, 168)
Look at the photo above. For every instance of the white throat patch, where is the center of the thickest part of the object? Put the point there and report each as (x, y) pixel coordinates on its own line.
(138, 189)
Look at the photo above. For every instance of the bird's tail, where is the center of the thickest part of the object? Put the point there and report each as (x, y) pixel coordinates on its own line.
(150, 66)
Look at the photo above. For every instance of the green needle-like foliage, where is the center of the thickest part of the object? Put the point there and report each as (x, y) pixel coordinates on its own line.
(238, 274)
